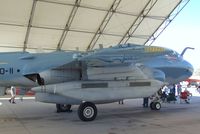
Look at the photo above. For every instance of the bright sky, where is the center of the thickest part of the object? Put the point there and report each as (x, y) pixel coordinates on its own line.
(184, 31)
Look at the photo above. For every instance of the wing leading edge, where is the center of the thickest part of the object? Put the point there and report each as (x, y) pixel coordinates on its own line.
(38, 63)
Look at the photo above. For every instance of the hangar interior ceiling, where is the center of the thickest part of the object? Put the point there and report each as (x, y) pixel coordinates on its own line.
(30, 25)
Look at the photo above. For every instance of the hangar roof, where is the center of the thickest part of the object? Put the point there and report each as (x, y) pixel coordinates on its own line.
(26, 25)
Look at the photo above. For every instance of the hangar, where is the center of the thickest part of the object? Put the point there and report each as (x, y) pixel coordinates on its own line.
(29, 25)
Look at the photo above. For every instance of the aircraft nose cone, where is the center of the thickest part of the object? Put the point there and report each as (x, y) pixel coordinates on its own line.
(189, 68)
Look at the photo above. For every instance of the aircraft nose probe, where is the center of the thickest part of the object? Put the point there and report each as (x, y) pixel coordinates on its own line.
(184, 50)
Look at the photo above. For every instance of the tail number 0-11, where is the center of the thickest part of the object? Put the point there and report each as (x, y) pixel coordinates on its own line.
(4, 71)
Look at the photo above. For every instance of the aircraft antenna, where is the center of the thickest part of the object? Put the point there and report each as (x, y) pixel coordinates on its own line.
(184, 50)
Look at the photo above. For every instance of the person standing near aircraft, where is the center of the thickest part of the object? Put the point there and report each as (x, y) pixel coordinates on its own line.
(13, 94)
(173, 90)
(179, 89)
(145, 101)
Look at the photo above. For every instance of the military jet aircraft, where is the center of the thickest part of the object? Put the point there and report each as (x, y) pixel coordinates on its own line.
(95, 77)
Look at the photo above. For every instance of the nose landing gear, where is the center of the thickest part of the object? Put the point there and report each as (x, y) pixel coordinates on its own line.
(155, 105)
(156, 99)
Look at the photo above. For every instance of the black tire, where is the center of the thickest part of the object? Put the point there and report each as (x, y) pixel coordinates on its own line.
(63, 108)
(157, 105)
(152, 105)
(87, 111)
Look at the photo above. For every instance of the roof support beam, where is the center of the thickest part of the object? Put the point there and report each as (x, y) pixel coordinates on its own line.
(29, 24)
(150, 4)
(101, 9)
(68, 24)
(103, 24)
(72, 30)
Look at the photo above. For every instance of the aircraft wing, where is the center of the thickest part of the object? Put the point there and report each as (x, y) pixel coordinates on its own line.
(38, 63)
(133, 72)
(118, 66)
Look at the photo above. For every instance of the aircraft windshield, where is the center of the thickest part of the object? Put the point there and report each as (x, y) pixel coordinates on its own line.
(173, 55)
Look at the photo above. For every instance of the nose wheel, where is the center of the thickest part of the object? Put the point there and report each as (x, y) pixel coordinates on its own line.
(156, 99)
(87, 111)
(155, 105)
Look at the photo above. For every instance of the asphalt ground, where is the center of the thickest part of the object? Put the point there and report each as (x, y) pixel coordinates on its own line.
(30, 117)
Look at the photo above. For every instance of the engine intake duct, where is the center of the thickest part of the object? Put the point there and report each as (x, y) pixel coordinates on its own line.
(35, 78)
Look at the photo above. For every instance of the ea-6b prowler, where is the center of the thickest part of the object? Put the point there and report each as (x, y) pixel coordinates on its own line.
(95, 77)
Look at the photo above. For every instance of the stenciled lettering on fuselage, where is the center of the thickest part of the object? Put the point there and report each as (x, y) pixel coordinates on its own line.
(4, 71)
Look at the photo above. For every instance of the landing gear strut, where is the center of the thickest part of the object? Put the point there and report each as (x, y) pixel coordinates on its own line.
(87, 111)
(63, 108)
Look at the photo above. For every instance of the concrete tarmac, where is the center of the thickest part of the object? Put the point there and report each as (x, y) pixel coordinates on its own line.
(30, 117)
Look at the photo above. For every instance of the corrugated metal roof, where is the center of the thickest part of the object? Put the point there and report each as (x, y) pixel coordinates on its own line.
(26, 25)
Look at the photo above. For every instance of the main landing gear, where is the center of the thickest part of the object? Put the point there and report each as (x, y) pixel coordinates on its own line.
(87, 111)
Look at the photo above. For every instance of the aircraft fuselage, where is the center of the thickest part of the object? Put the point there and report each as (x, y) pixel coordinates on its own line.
(20, 69)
